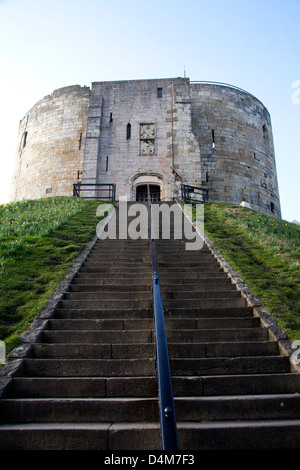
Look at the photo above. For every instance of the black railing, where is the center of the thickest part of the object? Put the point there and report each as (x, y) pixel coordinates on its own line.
(194, 194)
(165, 394)
(105, 191)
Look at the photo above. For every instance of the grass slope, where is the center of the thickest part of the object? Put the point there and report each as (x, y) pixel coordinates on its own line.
(265, 252)
(39, 241)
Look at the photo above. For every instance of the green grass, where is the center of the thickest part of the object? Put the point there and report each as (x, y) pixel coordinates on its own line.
(265, 252)
(39, 241)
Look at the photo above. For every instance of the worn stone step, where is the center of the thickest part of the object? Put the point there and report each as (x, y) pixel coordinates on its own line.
(120, 313)
(101, 324)
(109, 295)
(208, 285)
(232, 365)
(84, 387)
(231, 384)
(102, 336)
(181, 295)
(204, 302)
(106, 304)
(223, 349)
(94, 351)
(80, 436)
(207, 312)
(88, 367)
(213, 323)
(61, 410)
(111, 281)
(245, 435)
(100, 268)
(220, 334)
(250, 407)
(97, 287)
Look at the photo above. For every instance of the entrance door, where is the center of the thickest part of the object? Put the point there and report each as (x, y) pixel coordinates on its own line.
(147, 192)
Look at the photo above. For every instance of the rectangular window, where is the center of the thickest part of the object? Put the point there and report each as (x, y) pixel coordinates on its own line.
(159, 92)
(147, 139)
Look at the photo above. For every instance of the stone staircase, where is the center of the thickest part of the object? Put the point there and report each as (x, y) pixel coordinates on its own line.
(90, 381)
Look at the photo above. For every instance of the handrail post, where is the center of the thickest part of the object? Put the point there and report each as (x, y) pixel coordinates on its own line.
(165, 394)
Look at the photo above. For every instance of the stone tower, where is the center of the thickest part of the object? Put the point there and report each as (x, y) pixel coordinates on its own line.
(162, 133)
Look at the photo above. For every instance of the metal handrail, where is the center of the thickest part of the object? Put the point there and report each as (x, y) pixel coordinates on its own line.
(168, 425)
(107, 190)
(191, 193)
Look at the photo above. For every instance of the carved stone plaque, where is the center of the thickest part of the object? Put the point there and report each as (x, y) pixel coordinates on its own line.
(147, 139)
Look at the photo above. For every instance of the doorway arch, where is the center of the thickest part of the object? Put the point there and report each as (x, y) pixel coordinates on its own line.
(142, 182)
(148, 192)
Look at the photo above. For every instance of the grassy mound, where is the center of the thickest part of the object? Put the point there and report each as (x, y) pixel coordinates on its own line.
(265, 252)
(39, 241)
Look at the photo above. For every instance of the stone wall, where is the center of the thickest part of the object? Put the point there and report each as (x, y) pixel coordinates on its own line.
(144, 110)
(161, 132)
(234, 132)
(49, 155)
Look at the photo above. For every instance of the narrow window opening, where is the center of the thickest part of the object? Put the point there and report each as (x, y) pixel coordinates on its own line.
(272, 207)
(207, 176)
(80, 141)
(79, 173)
(128, 133)
(265, 131)
(213, 138)
(110, 118)
(159, 92)
(25, 138)
(106, 164)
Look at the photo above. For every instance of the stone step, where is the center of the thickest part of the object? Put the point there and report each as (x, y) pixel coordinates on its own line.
(80, 436)
(148, 323)
(229, 385)
(228, 366)
(94, 351)
(107, 313)
(101, 324)
(186, 284)
(95, 337)
(148, 313)
(88, 367)
(244, 435)
(205, 302)
(220, 334)
(208, 312)
(102, 294)
(209, 409)
(223, 435)
(109, 295)
(62, 410)
(84, 387)
(95, 287)
(106, 304)
(146, 350)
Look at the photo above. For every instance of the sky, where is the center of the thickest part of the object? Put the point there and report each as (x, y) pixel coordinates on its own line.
(255, 45)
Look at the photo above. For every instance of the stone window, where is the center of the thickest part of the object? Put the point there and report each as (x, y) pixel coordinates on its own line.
(147, 139)
(25, 138)
(159, 92)
(128, 131)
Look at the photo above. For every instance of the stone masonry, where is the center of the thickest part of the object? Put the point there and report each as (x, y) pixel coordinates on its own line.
(161, 132)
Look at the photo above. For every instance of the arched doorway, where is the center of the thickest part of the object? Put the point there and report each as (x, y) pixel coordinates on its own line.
(146, 192)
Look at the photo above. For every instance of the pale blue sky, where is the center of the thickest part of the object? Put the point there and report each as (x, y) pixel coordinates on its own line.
(254, 45)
